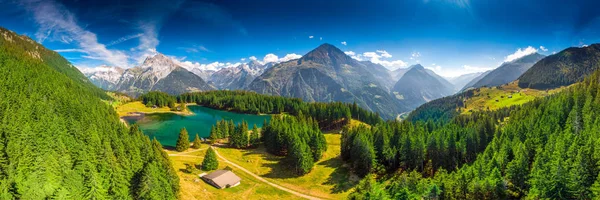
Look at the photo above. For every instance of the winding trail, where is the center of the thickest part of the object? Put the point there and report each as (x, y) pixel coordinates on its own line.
(183, 153)
(258, 177)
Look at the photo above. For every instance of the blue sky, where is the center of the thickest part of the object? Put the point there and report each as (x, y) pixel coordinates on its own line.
(452, 37)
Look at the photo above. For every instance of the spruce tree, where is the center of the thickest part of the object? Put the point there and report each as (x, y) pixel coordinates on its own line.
(213, 135)
(254, 136)
(183, 143)
(197, 142)
(210, 161)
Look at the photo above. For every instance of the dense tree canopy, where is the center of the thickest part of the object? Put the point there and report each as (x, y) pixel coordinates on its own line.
(297, 138)
(58, 140)
(331, 115)
(160, 99)
(546, 149)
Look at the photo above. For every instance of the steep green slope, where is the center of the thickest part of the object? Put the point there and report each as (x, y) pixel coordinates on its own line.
(59, 140)
(52, 59)
(546, 149)
(564, 68)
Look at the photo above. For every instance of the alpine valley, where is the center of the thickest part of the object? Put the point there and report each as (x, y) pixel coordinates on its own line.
(325, 74)
(312, 99)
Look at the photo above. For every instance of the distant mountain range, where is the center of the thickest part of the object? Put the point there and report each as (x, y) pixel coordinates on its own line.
(328, 74)
(322, 75)
(239, 77)
(564, 68)
(507, 72)
(419, 85)
(105, 77)
(157, 73)
(461, 81)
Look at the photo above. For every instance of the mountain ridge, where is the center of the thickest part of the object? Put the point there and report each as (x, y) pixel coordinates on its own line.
(328, 74)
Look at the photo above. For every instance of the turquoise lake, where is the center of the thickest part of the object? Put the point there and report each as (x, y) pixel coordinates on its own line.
(165, 127)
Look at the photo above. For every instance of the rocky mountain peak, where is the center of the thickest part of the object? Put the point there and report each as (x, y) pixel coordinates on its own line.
(158, 66)
(326, 54)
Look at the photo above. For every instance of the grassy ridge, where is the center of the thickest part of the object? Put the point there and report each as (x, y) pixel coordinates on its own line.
(494, 98)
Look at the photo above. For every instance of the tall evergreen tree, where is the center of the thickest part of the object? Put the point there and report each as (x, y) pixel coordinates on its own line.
(197, 142)
(183, 142)
(210, 161)
(254, 136)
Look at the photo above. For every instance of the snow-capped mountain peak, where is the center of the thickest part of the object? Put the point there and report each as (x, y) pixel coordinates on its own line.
(158, 66)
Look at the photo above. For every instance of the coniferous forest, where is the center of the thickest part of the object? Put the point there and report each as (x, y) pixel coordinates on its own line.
(546, 149)
(69, 130)
(329, 115)
(58, 140)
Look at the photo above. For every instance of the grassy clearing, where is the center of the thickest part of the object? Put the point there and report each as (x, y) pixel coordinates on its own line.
(194, 188)
(498, 97)
(131, 108)
(329, 179)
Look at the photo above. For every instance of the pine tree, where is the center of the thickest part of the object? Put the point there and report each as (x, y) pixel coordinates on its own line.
(213, 135)
(254, 136)
(210, 161)
(183, 142)
(197, 142)
(301, 157)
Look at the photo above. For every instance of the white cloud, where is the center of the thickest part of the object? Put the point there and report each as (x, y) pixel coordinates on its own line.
(270, 58)
(354, 55)
(289, 57)
(543, 48)
(55, 20)
(242, 59)
(320, 38)
(520, 53)
(415, 55)
(274, 58)
(376, 57)
(252, 58)
(584, 45)
(311, 37)
(454, 72)
(71, 50)
(194, 49)
(384, 53)
(344, 43)
(214, 66)
(123, 39)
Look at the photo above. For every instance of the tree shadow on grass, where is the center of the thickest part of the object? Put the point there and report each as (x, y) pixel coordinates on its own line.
(341, 178)
(279, 169)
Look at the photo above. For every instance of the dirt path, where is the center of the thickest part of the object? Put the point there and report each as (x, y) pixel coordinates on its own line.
(183, 153)
(262, 179)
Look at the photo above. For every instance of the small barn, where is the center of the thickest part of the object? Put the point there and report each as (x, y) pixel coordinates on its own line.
(222, 179)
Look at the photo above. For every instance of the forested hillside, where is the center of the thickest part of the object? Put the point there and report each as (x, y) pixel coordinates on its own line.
(561, 69)
(58, 140)
(546, 149)
(328, 115)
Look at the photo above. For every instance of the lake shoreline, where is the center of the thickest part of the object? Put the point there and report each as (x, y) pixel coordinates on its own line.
(166, 126)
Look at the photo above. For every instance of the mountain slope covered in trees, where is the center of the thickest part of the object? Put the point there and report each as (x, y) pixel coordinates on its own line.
(561, 69)
(58, 140)
(546, 149)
